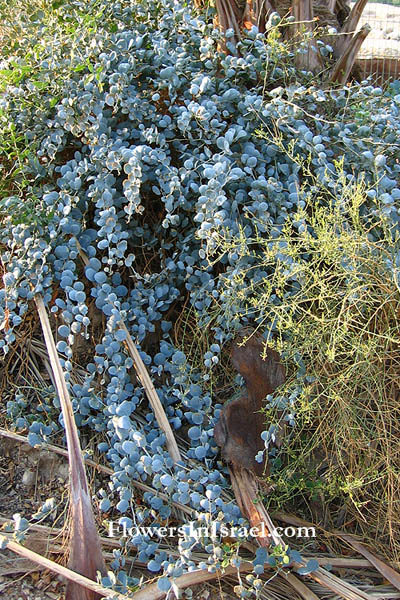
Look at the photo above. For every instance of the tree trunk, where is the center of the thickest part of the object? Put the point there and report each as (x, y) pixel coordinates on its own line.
(310, 16)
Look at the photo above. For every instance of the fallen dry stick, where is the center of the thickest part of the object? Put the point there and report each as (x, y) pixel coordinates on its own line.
(151, 592)
(388, 572)
(336, 562)
(339, 586)
(246, 493)
(152, 395)
(76, 578)
(299, 586)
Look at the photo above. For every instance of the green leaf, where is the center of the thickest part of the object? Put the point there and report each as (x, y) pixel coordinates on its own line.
(79, 68)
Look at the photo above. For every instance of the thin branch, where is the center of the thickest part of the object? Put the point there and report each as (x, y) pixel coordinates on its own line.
(263, 10)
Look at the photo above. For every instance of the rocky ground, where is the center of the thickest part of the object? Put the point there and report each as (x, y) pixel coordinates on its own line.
(27, 477)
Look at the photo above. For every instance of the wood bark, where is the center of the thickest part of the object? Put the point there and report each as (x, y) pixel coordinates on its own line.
(303, 13)
(238, 431)
(341, 71)
(241, 422)
(237, 440)
(310, 16)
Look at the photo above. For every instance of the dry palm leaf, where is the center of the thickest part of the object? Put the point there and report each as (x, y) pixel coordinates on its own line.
(85, 549)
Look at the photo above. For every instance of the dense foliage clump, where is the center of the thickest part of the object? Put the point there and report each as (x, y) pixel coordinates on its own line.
(332, 299)
(130, 138)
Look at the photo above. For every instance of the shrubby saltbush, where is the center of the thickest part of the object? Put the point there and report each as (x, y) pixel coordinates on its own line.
(148, 144)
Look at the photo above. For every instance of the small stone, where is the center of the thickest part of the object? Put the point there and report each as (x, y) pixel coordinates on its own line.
(29, 478)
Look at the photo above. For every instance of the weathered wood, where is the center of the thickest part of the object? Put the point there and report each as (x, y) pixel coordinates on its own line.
(308, 14)
(246, 490)
(152, 592)
(348, 30)
(229, 17)
(331, 5)
(388, 572)
(341, 71)
(238, 442)
(241, 422)
(93, 588)
(303, 13)
(256, 13)
(85, 556)
(238, 431)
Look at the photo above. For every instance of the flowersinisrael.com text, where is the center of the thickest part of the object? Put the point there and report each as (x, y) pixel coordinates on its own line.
(213, 530)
